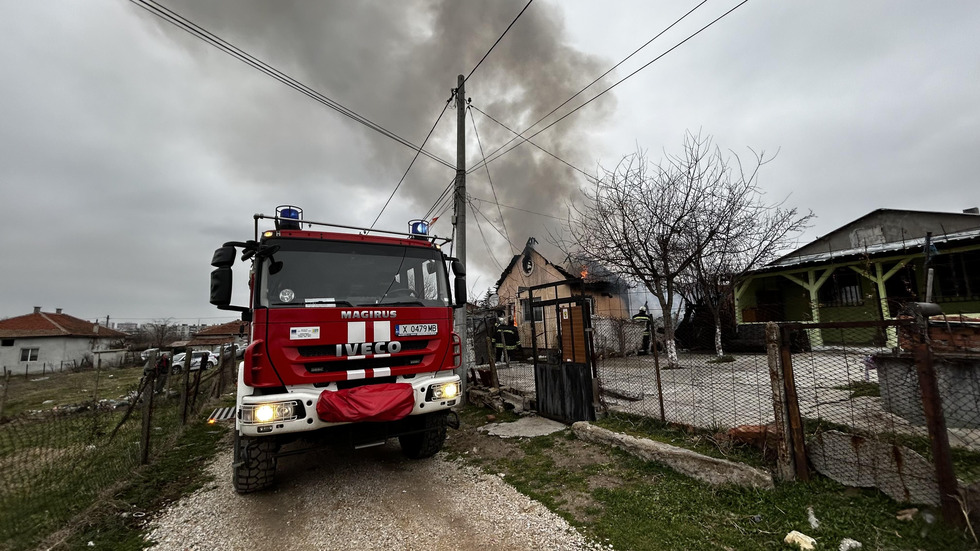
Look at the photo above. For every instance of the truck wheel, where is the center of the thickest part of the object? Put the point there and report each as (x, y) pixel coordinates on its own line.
(425, 444)
(254, 468)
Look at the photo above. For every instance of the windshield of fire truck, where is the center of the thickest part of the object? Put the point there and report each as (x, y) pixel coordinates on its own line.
(315, 273)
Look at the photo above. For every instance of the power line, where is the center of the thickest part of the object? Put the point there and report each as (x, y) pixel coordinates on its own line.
(411, 164)
(489, 179)
(439, 199)
(498, 41)
(516, 208)
(469, 200)
(495, 156)
(485, 242)
(600, 77)
(230, 49)
(573, 167)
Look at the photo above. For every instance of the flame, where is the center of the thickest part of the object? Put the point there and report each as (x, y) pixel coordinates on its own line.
(585, 272)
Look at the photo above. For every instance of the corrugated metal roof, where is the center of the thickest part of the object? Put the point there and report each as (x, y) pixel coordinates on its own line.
(915, 245)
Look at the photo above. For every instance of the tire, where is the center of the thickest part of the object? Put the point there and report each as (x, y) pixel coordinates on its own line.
(425, 444)
(254, 468)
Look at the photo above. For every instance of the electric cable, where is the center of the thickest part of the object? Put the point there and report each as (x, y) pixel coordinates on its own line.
(411, 164)
(495, 156)
(232, 50)
(570, 165)
(493, 190)
(498, 41)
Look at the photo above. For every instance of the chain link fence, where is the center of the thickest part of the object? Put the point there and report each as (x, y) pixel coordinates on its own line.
(890, 404)
(60, 462)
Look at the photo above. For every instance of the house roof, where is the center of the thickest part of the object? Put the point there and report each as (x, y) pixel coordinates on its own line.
(527, 249)
(219, 334)
(916, 245)
(47, 324)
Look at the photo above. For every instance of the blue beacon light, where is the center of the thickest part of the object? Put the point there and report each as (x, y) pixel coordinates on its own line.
(418, 227)
(288, 217)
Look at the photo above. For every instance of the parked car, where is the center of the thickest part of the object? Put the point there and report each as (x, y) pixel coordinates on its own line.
(178, 361)
(145, 355)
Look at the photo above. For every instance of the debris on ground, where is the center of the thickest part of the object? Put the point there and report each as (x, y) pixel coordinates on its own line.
(801, 540)
(907, 514)
(847, 544)
(810, 516)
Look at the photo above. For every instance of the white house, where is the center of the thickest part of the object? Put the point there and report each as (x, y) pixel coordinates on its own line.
(45, 341)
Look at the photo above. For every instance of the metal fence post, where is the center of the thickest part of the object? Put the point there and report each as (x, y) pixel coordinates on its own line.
(938, 437)
(147, 412)
(785, 468)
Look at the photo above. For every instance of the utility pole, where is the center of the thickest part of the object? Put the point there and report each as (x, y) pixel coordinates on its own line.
(459, 220)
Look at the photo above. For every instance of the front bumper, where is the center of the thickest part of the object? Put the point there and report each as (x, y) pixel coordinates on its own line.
(296, 411)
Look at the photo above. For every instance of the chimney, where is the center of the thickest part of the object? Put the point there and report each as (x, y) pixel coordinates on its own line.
(57, 310)
(973, 210)
(37, 309)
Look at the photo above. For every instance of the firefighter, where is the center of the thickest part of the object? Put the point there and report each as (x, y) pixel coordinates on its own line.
(505, 339)
(647, 326)
(162, 371)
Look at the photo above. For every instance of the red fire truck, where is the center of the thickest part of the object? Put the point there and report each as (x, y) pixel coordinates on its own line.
(351, 339)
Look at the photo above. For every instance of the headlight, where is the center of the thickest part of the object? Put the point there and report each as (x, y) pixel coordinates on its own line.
(443, 391)
(269, 413)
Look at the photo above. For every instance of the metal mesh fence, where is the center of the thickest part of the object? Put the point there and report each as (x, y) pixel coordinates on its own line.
(57, 463)
(850, 391)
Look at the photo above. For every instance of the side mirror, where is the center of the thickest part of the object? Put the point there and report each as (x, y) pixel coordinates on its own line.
(221, 285)
(458, 268)
(459, 292)
(223, 257)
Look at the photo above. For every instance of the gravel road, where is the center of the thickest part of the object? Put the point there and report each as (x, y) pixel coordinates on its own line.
(368, 499)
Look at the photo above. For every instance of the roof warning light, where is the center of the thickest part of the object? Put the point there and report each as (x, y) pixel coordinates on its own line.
(288, 217)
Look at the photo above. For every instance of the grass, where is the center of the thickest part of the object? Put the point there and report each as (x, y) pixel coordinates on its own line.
(861, 388)
(60, 465)
(632, 504)
(44, 392)
(701, 441)
(179, 471)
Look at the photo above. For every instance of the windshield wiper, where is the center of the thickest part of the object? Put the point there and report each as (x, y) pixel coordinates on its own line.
(400, 303)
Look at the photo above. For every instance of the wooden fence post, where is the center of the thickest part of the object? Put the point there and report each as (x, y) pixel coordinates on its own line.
(785, 468)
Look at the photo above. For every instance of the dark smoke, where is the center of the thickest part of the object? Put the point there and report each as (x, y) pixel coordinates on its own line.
(395, 63)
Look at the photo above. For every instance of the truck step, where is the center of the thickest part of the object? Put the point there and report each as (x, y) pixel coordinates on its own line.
(363, 445)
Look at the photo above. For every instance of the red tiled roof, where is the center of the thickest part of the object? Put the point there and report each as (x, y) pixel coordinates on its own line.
(46, 324)
(224, 329)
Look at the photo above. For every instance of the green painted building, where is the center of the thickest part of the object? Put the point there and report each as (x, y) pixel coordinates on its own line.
(869, 269)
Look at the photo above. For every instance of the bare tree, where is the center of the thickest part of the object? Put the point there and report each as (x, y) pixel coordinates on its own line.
(653, 223)
(159, 333)
(755, 233)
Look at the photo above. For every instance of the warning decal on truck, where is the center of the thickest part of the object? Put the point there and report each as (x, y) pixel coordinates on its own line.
(303, 333)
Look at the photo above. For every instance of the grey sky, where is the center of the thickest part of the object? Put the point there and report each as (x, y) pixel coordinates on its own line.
(130, 150)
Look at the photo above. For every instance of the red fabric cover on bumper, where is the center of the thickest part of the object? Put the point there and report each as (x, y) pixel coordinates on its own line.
(381, 402)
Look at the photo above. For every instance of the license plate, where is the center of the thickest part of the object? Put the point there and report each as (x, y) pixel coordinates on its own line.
(416, 329)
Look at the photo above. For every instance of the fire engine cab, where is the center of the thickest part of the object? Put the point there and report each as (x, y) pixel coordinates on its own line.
(351, 339)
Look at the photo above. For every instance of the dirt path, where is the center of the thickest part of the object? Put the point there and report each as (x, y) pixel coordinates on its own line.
(368, 499)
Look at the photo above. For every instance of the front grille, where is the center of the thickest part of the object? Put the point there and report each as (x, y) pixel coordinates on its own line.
(331, 349)
(365, 363)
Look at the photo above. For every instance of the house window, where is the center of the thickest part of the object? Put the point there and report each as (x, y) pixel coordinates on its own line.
(957, 276)
(28, 354)
(842, 289)
(538, 311)
(7, 342)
